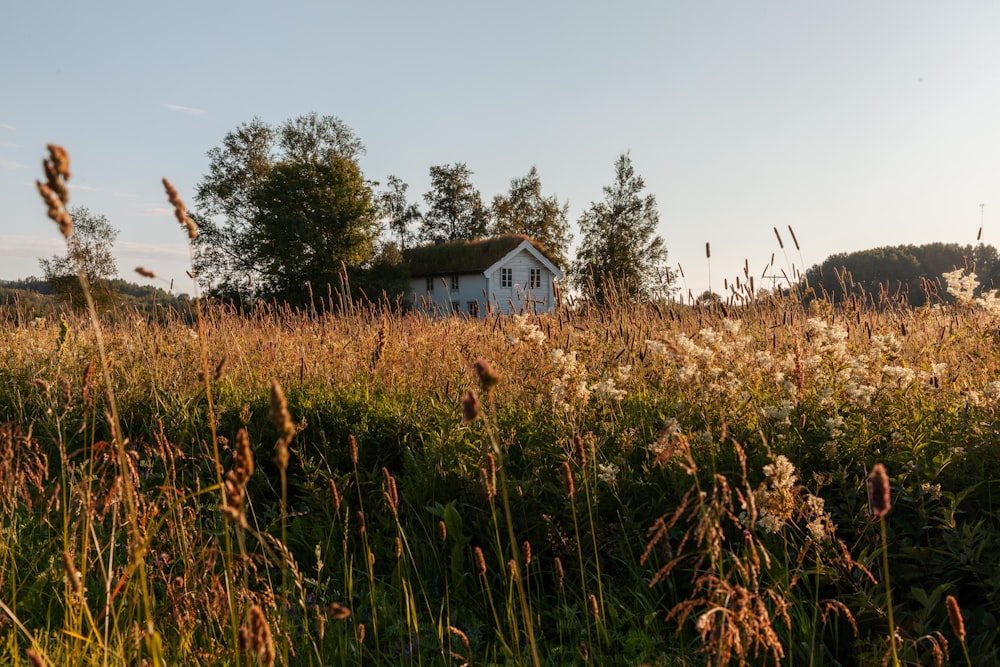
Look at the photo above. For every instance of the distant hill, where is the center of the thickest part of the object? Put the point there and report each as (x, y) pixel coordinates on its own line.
(32, 297)
(903, 274)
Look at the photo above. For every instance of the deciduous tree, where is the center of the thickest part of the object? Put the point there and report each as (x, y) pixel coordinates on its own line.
(244, 218)
(620, 246)
(88, 250)
(400, 215)
(455, 209)
(524, 210)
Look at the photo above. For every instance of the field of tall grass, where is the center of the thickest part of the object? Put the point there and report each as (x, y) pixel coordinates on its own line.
(626, 485)
(774, 481)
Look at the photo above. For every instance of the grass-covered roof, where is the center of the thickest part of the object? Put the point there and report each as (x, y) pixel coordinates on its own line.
(454, 257)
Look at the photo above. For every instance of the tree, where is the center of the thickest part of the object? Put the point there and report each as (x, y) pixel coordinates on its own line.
(523, 210)
(311, 217)
(399, 213)
(88, 249)
(620, 249)
(240, 208)
(455, 209)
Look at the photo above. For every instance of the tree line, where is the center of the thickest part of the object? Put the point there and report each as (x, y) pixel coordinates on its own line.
(285, 209)
(905, 274)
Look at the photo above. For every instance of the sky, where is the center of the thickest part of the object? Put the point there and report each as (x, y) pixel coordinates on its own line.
(858, 124)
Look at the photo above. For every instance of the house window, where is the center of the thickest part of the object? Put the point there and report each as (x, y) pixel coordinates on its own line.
(506, 278)
(535, 279)
(430, 284)
(454, 283)
(474, 308)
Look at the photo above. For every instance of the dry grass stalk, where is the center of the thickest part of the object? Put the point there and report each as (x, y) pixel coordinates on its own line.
(480, 561)
(352, 449)
(580, 450)
(878, 491)
(144, 272)
(592, 606)
(568, 484)
(54, 192)
(335, 494)
(260, 637)
(488, 378)
(73, 576)
(470, 405)
(180, 211)
(236, 480)
(955, 617)
(282, 421)
(34, 658)
(560, 573)
(337, 611)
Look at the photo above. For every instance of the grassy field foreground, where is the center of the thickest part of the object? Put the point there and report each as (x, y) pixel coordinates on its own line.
(633, 485)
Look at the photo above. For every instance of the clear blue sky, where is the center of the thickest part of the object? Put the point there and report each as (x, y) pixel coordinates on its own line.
(859, 124)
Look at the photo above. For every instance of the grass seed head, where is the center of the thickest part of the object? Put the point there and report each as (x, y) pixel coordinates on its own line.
(480, 562)
(955, 617)
(180, 211)
(568, 484)
(878, 491)
(488, 378)
(470, 405)
(260, 636)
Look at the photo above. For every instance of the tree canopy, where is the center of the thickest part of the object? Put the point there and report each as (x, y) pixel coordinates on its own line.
(274, 191)
(525, 210)
(620, 248)
(398, 212)
(455, 210)
(904, 273)
(88, 250)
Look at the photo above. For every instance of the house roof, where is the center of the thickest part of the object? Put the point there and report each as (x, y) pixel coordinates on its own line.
(457, 257)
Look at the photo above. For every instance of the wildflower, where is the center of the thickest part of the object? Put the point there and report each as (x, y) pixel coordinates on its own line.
(960, 285)
(833, 426)
(775, 498)
(899, 375)
(607, 390)
(607, 473)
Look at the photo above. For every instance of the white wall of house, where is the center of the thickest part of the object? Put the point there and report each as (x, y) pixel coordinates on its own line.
(521, 294)
(519, 282)
(465, 297)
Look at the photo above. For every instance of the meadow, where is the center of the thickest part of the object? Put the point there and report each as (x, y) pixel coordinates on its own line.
(636, 484)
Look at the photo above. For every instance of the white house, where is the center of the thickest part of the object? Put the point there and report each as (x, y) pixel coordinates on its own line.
(510, 274)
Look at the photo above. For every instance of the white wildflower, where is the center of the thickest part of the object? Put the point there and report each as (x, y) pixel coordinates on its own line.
(859, 394)
(900, 376)
(960, 285)
(607, 473)
(607, 390)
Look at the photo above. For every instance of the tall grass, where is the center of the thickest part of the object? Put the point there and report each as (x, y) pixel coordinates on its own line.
(631, 484)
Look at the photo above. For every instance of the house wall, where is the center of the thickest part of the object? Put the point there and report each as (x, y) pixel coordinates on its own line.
(519, 297)
(443, 299)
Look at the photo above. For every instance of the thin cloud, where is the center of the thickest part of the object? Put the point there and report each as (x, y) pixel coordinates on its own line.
(21, 246)
(6, 126)
(155, 212)
(183, 109)
(10, 164)
(80, 187)
(151, 252)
